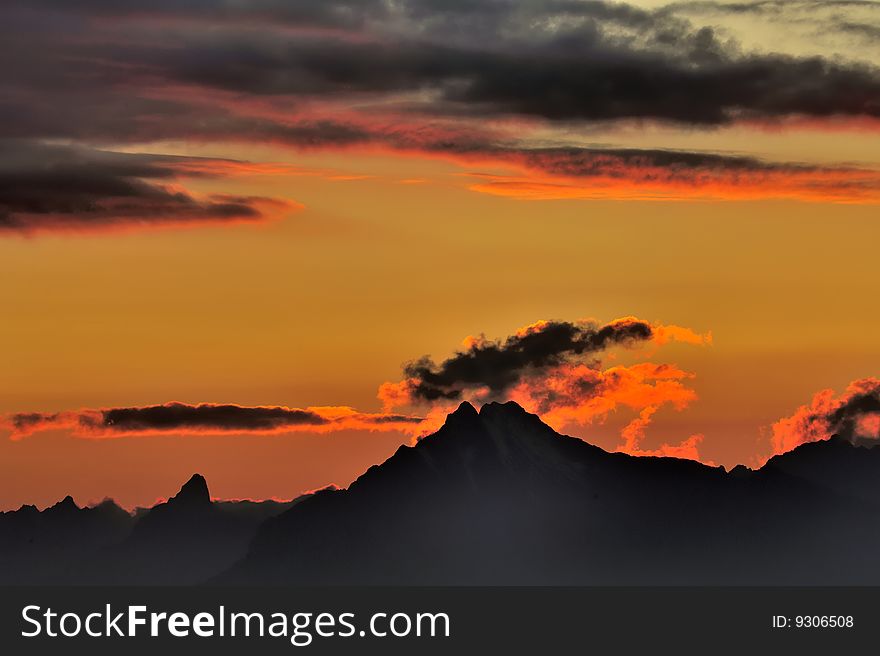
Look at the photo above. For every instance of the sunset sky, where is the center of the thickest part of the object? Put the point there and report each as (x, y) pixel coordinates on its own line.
(654, 224)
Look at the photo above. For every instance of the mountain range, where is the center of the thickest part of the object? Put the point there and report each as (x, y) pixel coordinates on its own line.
(185, 540)
(494, 497)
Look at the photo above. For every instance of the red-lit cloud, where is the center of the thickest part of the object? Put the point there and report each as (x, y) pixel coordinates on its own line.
(676, 176)
(634, 434)
(853, 415)
(580, 395)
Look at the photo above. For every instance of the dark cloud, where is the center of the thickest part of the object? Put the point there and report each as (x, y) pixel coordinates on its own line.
(415, 75)
(633, 87)
(559, 60)
(186, 419)
(57, 187)
(25, 422)
(846, 420)
(586, 162)
(578, 75)
(178, 416)
(870, 32)
(305, 13)
(618, 172)
(498, 366)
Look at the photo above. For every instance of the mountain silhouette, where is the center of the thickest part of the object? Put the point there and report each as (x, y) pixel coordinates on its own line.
(184, 540)
(193, 494)
(497, 497)
(493, 497)
(58, 544)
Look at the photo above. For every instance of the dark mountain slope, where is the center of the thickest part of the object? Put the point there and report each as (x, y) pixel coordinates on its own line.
(497, 497)
(189, 538)
(185, 540)
(834, 465)
(59, 544)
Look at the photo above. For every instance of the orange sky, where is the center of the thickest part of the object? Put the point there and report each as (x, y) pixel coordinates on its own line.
(368, 256)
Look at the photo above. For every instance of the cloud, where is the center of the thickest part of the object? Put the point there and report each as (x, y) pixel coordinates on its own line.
(582, 395)
(869, 32)
(303, 13)
(53, 187)
(472, 81)
(832, 28)
(774, 9)
(853, 415)
(499, 365)
(206, 418)
(634, 434)
(556, 61)
(650, 174)
(554, 369)
(495, 367)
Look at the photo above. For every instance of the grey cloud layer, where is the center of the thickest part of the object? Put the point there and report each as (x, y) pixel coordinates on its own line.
(44, 186)
(415, 75)
(556, 60)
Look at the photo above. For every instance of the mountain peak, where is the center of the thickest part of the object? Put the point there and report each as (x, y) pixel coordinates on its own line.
(464, 415)
(507, 408)
(465, 408)
(67, 501)
(194, 492)
(66, 505)
(466, 412)
(505, 417)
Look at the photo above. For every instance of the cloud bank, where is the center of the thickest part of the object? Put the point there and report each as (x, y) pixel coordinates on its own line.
(553, 368)
(502, 82)
(557, 60)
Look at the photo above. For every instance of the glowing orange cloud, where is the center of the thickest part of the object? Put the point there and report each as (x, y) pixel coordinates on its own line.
(582, 395)
(634, 433)
(671, 333)
(853, 415)
(659, 184)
